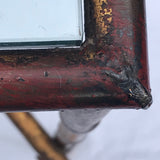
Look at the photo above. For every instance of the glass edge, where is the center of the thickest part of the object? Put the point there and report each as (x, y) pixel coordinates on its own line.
(42, 44)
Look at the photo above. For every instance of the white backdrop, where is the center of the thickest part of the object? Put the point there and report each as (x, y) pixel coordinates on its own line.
(122, 135)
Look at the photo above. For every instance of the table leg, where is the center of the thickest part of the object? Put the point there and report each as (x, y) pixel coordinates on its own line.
(36, 136)
(75, 124)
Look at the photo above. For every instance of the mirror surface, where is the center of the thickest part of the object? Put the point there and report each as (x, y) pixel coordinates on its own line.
(41, 22)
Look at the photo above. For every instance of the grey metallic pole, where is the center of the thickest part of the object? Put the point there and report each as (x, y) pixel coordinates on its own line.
(75, 124)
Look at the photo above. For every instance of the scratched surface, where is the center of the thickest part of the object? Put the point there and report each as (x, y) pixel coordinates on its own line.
(109, 70)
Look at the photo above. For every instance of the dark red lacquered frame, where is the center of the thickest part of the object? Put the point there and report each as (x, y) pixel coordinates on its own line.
(110, 69)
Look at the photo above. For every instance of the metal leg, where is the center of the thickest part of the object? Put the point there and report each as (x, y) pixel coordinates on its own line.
(75, 124)
(73, 128)
(36, 136)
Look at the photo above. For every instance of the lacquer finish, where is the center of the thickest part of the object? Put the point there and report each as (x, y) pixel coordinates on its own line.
(109, 70)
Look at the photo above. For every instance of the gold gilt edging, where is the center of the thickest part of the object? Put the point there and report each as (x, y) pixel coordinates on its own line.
(103, 13)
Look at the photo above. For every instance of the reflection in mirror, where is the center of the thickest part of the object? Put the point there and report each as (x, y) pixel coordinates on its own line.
(40, 23)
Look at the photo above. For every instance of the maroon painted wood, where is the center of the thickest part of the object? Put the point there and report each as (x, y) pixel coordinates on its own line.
(109, 70)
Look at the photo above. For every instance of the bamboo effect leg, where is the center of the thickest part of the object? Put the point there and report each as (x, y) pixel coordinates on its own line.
(75, 124)
(73, 128)
(37, 137)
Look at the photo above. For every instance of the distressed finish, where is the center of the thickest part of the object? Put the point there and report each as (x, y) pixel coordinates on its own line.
(109, 70)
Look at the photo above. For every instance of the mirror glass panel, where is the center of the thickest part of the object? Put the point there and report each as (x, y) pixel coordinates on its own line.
(41, 23)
